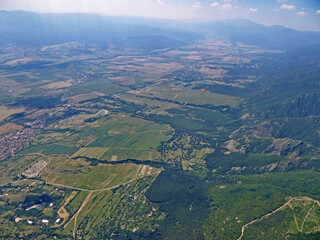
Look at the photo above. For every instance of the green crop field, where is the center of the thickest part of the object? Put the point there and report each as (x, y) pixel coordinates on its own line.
(139, 140)
(91, 152)
(78, 173)
(195, 97)
(51, 149)
(123, 153)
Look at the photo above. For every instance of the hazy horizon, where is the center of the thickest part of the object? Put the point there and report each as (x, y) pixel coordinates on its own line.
(296, 14)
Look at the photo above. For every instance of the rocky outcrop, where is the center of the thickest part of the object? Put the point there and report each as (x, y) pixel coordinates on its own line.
(284, 146)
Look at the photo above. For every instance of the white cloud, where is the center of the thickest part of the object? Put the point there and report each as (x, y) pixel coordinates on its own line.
(197, 5)
(287, 7)
(318, 12)
(215, 4)
(226, 6)
(282, 1)
(302, 13)
(161, 2)
(227, 0)
(253, 10)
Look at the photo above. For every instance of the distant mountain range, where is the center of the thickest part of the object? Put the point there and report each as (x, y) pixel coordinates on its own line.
(51, 28)
(33, 28)
(274, 37)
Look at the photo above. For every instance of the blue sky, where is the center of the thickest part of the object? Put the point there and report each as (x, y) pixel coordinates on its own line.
(298, 14)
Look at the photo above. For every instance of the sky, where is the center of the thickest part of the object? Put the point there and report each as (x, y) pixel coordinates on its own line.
(297, 14)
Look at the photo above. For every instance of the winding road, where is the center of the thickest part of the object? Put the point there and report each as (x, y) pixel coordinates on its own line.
(280, 208)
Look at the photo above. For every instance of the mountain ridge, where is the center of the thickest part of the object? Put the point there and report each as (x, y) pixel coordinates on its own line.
(52, 28)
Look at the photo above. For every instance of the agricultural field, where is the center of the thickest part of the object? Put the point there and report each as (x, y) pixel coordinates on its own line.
(92, 152)
(187, 96)
(118, 154)
(8, 127)
(50, 149)
(6, 112)
(79, 174)
(57, 85)
(140, 140)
